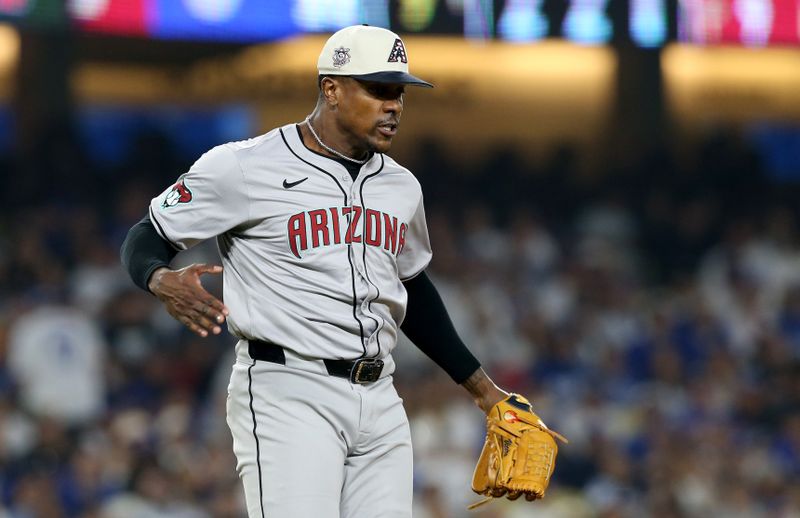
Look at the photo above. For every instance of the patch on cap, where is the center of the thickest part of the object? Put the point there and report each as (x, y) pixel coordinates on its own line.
(398, 52)
(341, 56)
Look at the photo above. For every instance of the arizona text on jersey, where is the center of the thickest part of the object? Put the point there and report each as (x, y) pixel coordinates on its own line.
(303, 245)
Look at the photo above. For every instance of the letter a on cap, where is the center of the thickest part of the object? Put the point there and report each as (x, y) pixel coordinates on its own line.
(398, 52)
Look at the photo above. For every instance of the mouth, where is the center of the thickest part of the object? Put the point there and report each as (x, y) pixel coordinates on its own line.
(388, 129)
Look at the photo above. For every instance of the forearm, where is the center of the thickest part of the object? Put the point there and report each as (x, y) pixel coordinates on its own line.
(429, 327)
(144, 252)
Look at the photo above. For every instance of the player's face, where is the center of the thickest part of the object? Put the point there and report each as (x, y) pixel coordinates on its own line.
(370, 113)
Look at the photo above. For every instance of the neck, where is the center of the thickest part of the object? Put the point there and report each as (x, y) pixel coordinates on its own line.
(329, 135)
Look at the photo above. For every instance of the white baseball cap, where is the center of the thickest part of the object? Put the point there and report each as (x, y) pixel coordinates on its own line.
(367, 53)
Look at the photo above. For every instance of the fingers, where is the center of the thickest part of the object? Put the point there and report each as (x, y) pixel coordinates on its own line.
(498, 492)
(188, 302)
(201, 317)
(205, 318)
(220, 311)
(217, 308)
(193, 326)
(211, 317)
(202, 268)
(200, 325)
(207, 325)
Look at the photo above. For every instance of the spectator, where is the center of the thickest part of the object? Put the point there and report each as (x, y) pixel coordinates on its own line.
(56, 355)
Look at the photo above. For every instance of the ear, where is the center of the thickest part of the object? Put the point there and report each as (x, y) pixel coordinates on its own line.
(330, 90)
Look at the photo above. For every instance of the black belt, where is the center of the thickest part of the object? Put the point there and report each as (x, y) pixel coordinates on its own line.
(362, 370)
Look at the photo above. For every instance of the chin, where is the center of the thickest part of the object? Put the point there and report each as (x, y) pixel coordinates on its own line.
(381, 146)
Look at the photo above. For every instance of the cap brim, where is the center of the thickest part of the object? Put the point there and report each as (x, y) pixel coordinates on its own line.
(394, 78)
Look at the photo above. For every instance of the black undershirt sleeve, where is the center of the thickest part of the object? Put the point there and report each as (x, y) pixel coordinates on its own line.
(144, 251)
(428, 325)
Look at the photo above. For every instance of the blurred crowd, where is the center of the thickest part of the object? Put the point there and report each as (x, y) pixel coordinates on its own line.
(650, 310)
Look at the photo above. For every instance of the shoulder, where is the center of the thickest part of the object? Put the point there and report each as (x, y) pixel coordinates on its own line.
(258, 144)
(231, 155)
(395, 170)
(401, 176)
(217, 159)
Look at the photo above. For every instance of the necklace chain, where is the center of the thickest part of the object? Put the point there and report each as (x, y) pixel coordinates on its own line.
(330, 149)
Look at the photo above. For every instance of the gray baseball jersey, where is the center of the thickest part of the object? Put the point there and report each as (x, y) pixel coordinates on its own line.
(313, 260)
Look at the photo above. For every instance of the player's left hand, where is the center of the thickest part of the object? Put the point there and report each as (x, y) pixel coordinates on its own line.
(519, 454)
(186, 300)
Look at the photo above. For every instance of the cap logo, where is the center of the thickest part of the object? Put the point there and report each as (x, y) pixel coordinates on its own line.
(341, 57)
(398, 52)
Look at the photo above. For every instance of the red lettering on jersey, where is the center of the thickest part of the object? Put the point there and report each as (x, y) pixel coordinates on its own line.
(379, 229)
(351, 236)
(319, 227)
(390, 231)
(297, 233)
(337, 236)
(373, 230)
(402, 240)
(345, 212)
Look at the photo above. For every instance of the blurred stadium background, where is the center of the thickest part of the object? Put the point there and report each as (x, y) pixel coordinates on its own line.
(612, 189)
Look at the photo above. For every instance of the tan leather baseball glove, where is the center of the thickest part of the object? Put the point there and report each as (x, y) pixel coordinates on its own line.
(519, 454)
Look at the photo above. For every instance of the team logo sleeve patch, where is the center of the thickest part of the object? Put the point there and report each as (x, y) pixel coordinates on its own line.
(398, 52)
(178, 194)
(341, 57)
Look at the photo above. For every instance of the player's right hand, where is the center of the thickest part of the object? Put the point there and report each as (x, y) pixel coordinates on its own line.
(186, 300)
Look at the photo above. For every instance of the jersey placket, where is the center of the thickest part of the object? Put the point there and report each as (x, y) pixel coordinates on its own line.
(372, 321)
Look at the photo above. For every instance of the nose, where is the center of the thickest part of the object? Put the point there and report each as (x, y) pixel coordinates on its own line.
(393, 106)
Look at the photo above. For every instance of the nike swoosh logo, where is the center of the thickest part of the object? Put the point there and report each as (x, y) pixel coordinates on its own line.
(289, 185)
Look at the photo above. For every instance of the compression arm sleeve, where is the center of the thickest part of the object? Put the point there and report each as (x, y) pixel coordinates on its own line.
(144, 251)
(428, 325)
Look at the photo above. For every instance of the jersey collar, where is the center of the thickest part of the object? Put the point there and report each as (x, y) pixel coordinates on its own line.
(292, 133)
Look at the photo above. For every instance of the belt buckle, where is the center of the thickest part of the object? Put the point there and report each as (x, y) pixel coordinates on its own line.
(366, 370)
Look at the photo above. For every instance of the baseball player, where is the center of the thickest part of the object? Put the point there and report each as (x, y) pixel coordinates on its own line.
(324, 246)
